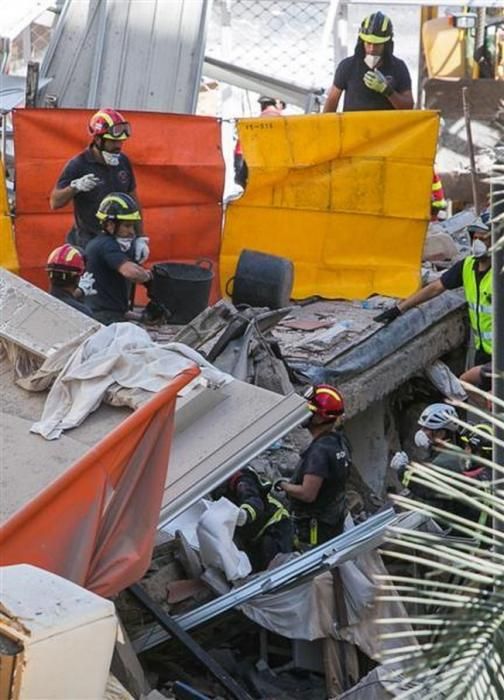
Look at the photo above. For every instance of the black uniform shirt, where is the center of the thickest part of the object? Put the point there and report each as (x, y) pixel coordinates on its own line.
(69, 299)
(358, 97)
(118, 178)
(328, 457)
(103, 259)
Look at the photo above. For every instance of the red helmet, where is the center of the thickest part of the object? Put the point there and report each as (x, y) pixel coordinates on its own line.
(109, 124)
(66, 258)
(325, 401)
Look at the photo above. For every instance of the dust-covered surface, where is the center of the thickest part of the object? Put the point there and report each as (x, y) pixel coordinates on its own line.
(28, 462)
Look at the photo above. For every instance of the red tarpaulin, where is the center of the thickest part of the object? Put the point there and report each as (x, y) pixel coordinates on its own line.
(179, 168)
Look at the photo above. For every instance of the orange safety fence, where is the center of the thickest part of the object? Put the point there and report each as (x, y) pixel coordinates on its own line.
(178, 164)
(95, 524)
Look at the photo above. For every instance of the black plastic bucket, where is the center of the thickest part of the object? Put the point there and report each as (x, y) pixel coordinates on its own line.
(184, 289)
(262, 280)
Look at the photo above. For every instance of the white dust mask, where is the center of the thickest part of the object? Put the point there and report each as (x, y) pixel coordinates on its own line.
(124, 244)
(479, 249)
(371, 60)
(421, 439)
(111, 158)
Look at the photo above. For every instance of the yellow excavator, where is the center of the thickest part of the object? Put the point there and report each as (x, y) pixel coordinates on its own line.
(462, 76)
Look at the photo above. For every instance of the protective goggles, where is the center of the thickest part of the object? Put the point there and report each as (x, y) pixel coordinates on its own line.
(119, 131)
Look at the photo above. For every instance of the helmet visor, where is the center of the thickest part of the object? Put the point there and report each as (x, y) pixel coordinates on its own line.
(118, 132)
(373, 39)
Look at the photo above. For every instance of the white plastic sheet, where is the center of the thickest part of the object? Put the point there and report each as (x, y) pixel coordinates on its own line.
(215, 531)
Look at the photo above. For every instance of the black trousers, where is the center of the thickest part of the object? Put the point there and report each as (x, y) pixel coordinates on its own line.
(277, 538)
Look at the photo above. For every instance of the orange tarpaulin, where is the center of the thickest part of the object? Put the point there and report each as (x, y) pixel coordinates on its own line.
(95, 524)
(179, 169)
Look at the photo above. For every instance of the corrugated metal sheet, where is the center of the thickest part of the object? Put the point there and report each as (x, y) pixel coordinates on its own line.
(129, 54)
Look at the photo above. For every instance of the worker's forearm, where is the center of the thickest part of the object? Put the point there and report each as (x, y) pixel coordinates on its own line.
(401, 100)
(332, 101)
(296, 491)
(135, 273)
(61, 197)
(429, 292)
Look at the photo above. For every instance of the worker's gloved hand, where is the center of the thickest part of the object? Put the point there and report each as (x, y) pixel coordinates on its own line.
(376, 81)
(86, 284)
(388, 315)
(86, 183)
(398, 461)
(142, 250)
(242, 517)
(277, 485)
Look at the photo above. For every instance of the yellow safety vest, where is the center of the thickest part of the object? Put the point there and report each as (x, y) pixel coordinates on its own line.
(479, 300)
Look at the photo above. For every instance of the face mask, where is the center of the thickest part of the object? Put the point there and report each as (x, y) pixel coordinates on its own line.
(124, 244)
(371, 60)
(421, 439)
(111, 158)
(479, 249)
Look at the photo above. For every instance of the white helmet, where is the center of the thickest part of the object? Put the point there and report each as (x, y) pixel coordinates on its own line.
(438, 416)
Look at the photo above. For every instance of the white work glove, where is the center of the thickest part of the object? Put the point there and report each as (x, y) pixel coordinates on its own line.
(86, 183)
(376, 81)
(242, 517)
(399, 460)
(142, 250)
(86, 284)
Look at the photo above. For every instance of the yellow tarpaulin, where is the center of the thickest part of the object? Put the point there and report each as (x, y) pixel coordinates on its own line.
(345, 196)
(8, 255)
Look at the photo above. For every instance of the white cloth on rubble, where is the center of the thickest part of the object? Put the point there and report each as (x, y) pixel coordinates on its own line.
(443, 379)
(122, 354)
(215, 531)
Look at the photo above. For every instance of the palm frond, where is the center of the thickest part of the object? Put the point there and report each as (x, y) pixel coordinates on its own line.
(455, 593)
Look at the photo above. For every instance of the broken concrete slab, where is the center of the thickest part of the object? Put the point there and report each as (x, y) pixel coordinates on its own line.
(36, 321)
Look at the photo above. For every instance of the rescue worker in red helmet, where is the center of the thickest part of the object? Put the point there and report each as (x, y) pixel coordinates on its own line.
(264, 526)
(110, 258)
(373, 78)
(68, 281)
(94, 173)
(317, 488)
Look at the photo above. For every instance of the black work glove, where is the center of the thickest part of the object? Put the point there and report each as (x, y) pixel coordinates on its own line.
(277, 485)
(388, 315)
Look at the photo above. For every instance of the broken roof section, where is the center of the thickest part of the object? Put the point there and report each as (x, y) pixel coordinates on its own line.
(151, 60)
(217, 429)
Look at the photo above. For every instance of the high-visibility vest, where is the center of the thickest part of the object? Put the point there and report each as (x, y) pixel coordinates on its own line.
(438, 200)
(479, 300)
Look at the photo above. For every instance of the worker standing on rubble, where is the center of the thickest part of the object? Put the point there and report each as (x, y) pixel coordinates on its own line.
(373, 78)
(317, 488)
(96, 172)
(110, 258)
(475, 275)
(265, 526)
(68, 281)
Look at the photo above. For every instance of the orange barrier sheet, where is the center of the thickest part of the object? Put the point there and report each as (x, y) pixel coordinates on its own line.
(95, 524)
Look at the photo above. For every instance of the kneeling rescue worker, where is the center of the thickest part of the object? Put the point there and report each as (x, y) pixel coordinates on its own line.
(265, 527)
(68, 281)
(111, 258)
(317, 488)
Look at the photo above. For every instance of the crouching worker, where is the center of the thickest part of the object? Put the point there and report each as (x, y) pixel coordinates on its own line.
(68, 281)
(317, 488)
(110, 258)
(264, 525)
